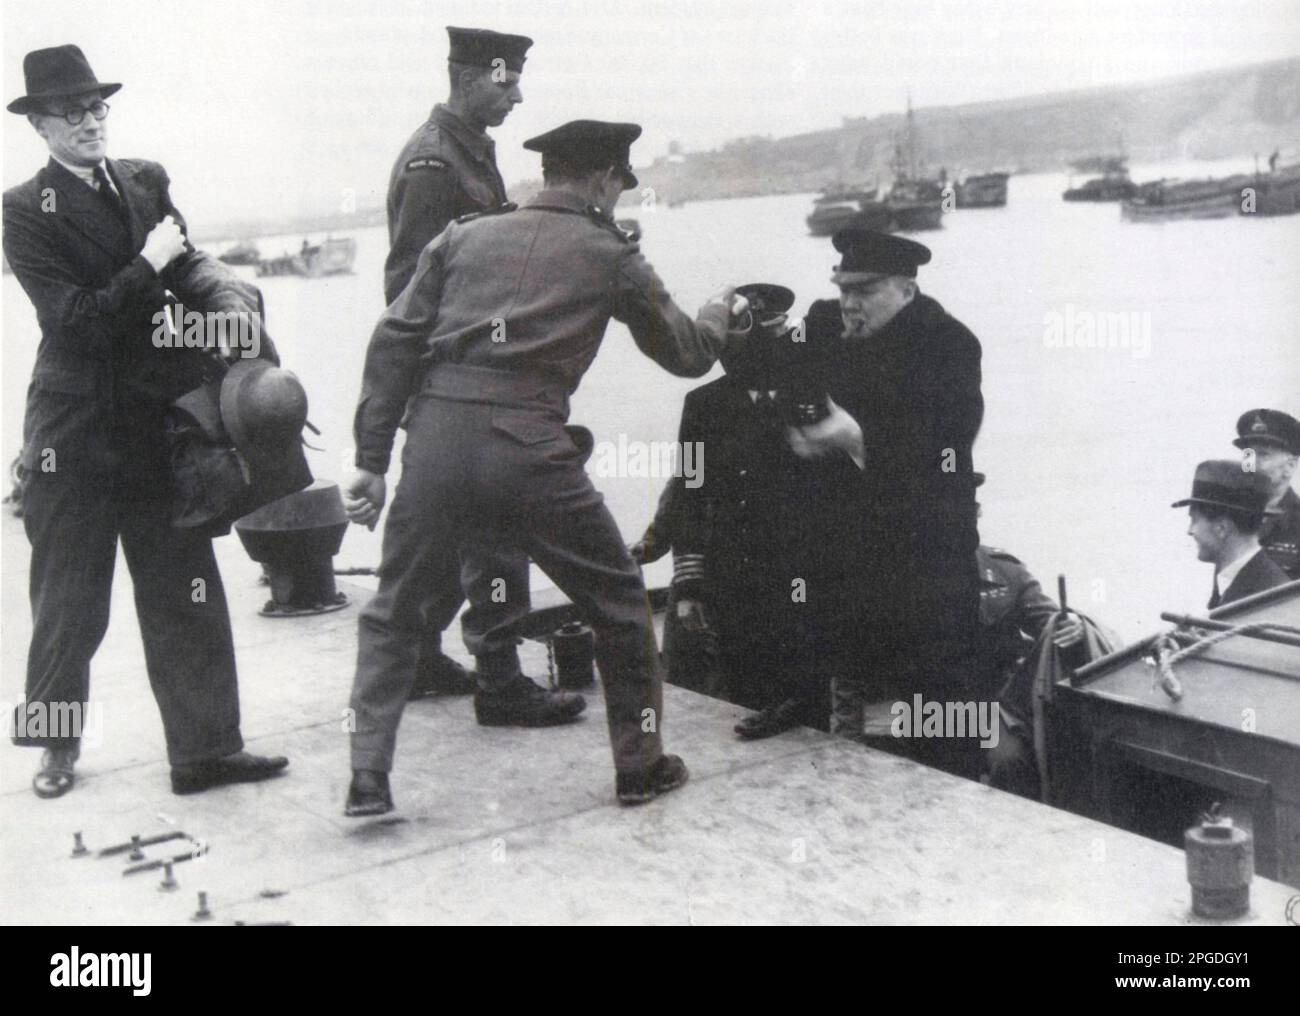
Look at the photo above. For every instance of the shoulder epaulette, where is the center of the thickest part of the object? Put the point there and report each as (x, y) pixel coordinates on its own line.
(1003, 555)
(501, 209)
(606, 222)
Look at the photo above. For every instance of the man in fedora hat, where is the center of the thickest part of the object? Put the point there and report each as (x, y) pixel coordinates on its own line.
(1226, 511)
(1271, 439)
(905, 405)
(448, 169)
(488, 459)
(100, 250)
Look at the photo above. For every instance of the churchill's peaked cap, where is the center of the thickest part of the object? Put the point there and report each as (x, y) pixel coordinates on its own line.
(869, 254)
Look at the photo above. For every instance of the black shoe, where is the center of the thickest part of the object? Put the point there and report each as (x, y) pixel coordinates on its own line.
(368, 794)
(441, 675)
(524, 703)
(57, 774)
(667, 774)
(773, 720)
(241, 767)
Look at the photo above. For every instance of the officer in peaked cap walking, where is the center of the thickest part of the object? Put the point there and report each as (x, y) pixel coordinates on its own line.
(488, 459)
(1273, 438)
(448, 169)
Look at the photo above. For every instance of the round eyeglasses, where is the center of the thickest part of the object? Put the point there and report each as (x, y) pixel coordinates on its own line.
(74, 116)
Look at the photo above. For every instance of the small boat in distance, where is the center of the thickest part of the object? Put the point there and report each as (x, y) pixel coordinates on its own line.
(244, 252)
(983, 190)
(838, 207)
(1277, 192)
(913, 202)
(332, 256)
(1113, 184)
(1168, 200)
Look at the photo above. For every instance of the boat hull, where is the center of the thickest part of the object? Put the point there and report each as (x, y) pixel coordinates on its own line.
(1220, 206)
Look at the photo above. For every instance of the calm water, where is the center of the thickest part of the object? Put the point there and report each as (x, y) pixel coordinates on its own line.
(1084, 448)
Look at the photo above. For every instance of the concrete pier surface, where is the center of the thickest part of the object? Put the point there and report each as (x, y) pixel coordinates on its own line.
(521, 826)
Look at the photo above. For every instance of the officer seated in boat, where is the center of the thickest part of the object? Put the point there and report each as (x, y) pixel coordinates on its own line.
(1270, 439)
(1014, 614)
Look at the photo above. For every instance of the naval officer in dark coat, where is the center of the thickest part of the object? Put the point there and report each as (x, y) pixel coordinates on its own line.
(1272, 438)
(488, 458)
(99, 248)
(905, 406)
(446, 170)
(749, 542)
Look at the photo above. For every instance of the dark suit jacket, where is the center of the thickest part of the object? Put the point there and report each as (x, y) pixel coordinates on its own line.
(100, 386)
(1258, 574)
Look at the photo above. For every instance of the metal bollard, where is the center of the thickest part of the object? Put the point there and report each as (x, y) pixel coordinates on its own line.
(1220, 865)
(574, 646)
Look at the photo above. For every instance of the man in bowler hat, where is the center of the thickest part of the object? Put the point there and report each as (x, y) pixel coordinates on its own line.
(507, 311)
(446, 170)
(1272, 440)
(99, 248)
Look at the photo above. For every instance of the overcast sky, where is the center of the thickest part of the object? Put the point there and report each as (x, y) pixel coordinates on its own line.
(260, 107)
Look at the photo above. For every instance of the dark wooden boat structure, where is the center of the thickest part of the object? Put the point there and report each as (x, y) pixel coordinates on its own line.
(1147, 752)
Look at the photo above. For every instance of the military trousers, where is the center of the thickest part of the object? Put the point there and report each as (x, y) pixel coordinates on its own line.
(491, 640)
(488, 463)
(73, 525)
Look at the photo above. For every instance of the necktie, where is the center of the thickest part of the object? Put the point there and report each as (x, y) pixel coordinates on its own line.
(1214, 597)
(109, 195)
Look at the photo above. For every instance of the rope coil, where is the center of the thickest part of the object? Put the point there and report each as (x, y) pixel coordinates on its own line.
(1176, 646)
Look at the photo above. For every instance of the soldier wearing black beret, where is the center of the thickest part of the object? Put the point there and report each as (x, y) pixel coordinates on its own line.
(447, 170)
(905, 405)
(1272, 439)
